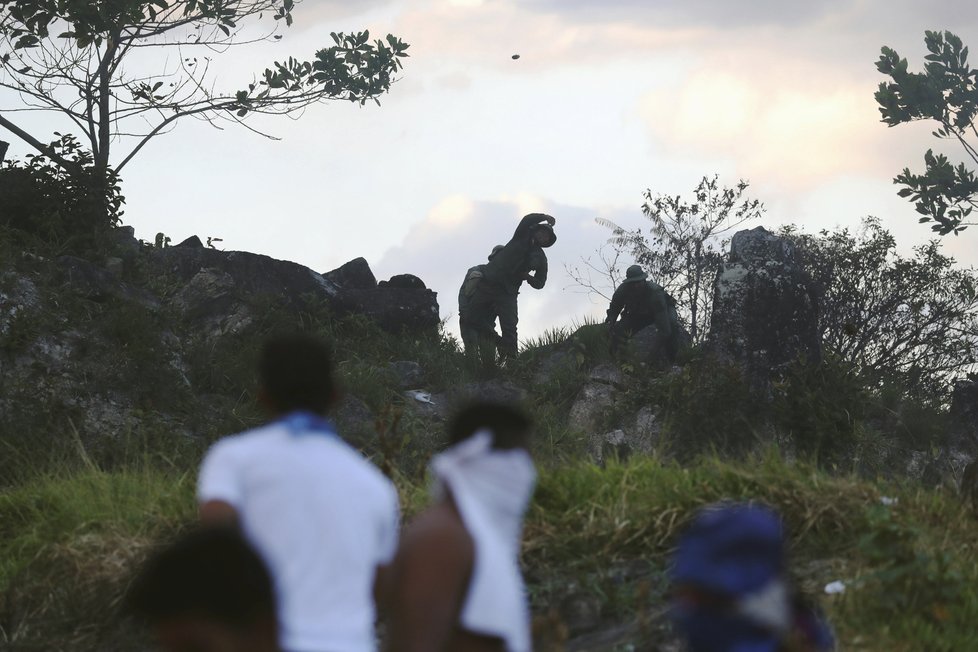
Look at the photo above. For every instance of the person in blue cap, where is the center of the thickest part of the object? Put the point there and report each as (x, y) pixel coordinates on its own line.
(730, 589)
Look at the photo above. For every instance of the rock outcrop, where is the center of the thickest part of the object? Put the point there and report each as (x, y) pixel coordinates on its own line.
(355, 274)
(145, 338)
(765, 313)
(964, 415)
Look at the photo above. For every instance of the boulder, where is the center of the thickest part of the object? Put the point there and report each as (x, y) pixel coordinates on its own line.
(124, 239)
(394, 309)
(247, 277)
(608, 374)
(253, 276)
(355, 274)
(211, 303)
(590, 409)
(192, 242)
(98, 284)
(765, 315)
(639, 437)
(404, 282)
(556, 364)
(648, 347)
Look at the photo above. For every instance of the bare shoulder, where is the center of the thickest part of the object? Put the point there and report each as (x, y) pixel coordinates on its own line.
(439, 532)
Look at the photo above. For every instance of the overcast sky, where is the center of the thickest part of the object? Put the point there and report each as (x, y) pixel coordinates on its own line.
(608, 98)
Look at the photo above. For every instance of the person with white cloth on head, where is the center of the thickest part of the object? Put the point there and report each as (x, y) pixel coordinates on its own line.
(456, 579)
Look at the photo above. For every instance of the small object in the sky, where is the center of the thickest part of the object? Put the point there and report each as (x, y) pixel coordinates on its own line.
(836, 587)
(516, 56)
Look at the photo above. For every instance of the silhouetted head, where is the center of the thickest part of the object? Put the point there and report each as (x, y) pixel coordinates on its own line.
(544, 236)
(296, 373)
(495, 250)
(510, 426)
(634, 274)
(209, 592)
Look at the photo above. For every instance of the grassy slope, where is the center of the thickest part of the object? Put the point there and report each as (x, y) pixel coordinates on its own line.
(69, 540)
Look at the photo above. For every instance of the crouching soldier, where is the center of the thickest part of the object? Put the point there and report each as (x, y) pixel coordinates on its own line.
(641, 303)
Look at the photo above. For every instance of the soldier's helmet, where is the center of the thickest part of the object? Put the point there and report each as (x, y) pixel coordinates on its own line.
(495, 250)
(634, 274)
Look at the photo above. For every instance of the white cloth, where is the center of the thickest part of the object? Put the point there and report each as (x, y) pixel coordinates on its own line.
(323, 519)
(491, 489)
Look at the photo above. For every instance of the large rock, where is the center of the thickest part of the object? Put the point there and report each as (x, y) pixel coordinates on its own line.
(98, 284)
(250, 275)
(211, 302)
(650, 348)
(238, 278)
(765, 316)
(355, 274)
(394, 309)
(590, 410)
(640, 436)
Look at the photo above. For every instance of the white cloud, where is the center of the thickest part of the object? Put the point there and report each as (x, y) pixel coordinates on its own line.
(794, 123)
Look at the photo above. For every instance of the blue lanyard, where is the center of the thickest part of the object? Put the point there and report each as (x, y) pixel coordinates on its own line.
(302, 422)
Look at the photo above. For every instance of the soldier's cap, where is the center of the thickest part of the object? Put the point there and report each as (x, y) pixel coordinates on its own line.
(546, 228)
(495, 250)
(635, 274)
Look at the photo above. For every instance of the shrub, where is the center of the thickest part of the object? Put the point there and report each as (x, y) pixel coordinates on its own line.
(39, 199)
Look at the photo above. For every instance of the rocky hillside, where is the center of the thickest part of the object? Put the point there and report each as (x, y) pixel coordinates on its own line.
(160, 342)
(117, 370)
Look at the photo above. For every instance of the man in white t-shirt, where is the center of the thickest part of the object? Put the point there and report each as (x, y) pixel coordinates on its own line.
(324, 519)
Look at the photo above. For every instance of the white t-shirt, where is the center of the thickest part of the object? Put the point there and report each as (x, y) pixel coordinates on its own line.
(323, 519)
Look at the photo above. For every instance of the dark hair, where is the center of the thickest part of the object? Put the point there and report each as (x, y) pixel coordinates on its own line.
(212, 573)
(510, 426)
(296, 373)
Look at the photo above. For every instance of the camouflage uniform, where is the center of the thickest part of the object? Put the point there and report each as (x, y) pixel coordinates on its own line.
(642, 303)
(469, 328)
(497, 292)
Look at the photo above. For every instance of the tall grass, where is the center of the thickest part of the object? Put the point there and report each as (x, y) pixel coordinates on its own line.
(69, 542)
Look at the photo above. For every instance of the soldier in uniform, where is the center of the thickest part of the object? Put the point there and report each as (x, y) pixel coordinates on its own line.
(469, 329)
(521, 259)
(641, 303)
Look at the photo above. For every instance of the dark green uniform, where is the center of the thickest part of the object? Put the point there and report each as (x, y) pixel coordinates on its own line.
(521, 259)
(469, 328)
(641, 304)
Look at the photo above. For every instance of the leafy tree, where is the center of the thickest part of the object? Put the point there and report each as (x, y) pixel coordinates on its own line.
(87, 61)
(912, 322)
(946, 92)
(684, 245)
(40, 199)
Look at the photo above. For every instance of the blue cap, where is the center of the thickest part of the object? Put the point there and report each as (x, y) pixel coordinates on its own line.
(731, 550)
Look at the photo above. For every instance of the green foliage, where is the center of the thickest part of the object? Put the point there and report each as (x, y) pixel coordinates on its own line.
(707, 406)
(899, 322)
(685, 244)
(42, 201)
(53, 49)
(908, 574)
(947, 93)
